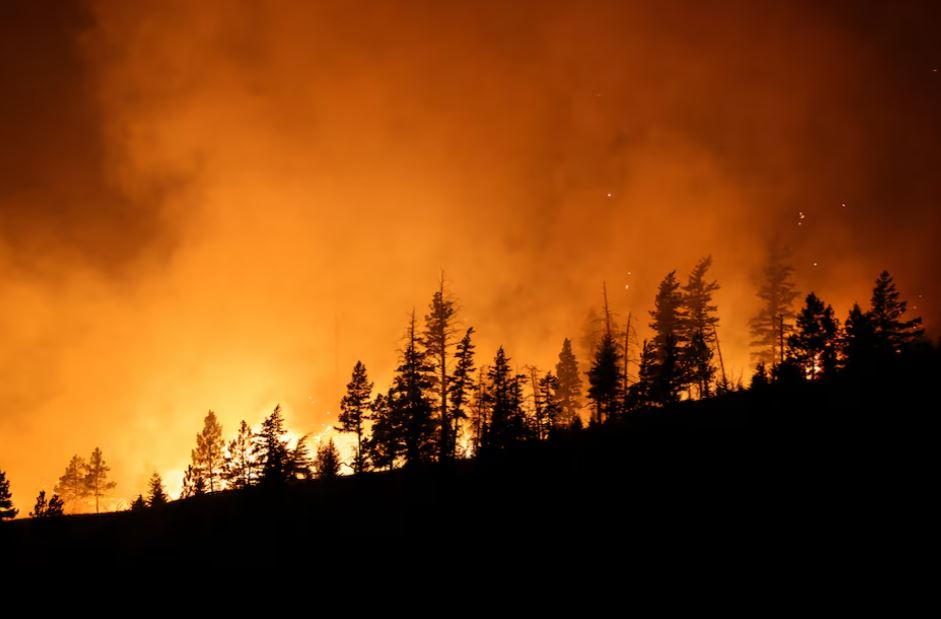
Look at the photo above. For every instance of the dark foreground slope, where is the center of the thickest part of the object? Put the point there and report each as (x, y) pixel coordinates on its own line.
(847, 466)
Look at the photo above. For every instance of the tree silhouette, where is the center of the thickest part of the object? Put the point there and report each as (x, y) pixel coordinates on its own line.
(156, 496)
(504, 400)
(240, 465)
(548, 408)
(7, 511)
(51, 509)
(859, 341)
(299, 462)
(385, 442)
(814, 343)
(462, 384)
(892, 333)
(699, 327)
(328, 460)
(96, 477)
(777, 295)
(569, 391)
(194, 484)
(604, 377)
(409, 406)
(666, 371)
(139, 505)
(72, 486)
(639, 394)
(354, 409)
(208, 453)
(438, 338)
(271, 449)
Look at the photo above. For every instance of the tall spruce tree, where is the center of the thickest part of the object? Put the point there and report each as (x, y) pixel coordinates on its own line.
(814, 343)
(777, 294)
(208, 455)
(569, 391)
(699, 327)
(410, 406)
(859, 341)
(462, 385)
(507, 420)
(385, 444)
(156, 496)
(96, 477)
(667, 374)
(7, 511)
(604, 377)
(354, 412)
(550, 407)
(891, 333)
(240, 464)
(639, 394)
(271, 449)
(438, 339)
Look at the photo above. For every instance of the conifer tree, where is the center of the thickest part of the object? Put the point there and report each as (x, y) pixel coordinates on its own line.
(814, 344)
(7, 511)
(699, 327)
(271, 449)
(859, 340)
(410, 407)
(156, 497)
(462, 385)
(667, 372)
(438, 339)
(139, 504)
(354, 411)
(640, 392)
(385, 444)
(892, 333)
(96, 477)
(194, 484)
(240, 464)
(569, 391)
(208, 455)
(777, 295)
(507, 421)
(328, 460)
(299, 461)
(71, 485)
(604, 377)
(549, 406)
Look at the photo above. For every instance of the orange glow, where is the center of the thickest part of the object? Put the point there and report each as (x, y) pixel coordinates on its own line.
(294, 176)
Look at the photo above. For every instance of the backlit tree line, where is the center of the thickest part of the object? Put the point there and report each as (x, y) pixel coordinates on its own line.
(441, 405)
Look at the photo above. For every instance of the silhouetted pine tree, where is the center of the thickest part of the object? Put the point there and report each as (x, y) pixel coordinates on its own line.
(550, 408)
(56, 507)
(208, 455)
(759, 379)
(438, 338)
(328, 460)
(354, 409)
(814, 343)
(299, 460)
(604, 377)
(156, 496)
(461, 385)
(859, 341)
(413, 412)
(640, 392)
(385, 443)
(569, 392)
(699, 327)
(480, 411)
(271, 449)
(666, 371)
(194, 484)
(71, 485)
(777, 295)
(39, 509)
(892, 334)
(240, 466)
(139, 504)
(505, 403)
(7, 511)
(96, 477)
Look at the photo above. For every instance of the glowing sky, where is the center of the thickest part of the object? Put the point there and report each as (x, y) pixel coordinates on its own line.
(225, 204)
